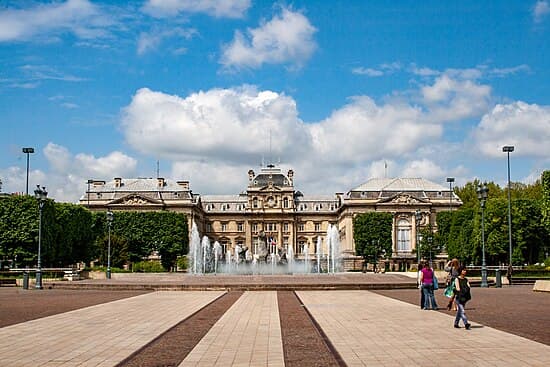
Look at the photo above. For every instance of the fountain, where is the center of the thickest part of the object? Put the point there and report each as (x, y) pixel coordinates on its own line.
(267, 258)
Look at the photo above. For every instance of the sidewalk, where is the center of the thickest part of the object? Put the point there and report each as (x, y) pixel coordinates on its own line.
(369, 329)
(101, 335)
(364, 327)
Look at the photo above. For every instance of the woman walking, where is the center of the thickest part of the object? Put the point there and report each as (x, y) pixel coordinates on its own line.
(427, 281)
(462, 295)
(452, 269)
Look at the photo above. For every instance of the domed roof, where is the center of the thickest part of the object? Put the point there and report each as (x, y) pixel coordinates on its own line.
(270, 175)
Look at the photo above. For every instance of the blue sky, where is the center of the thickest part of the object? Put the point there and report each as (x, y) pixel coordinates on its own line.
(335, 90)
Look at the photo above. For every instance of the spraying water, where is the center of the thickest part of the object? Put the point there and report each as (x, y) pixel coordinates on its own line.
(206, 258)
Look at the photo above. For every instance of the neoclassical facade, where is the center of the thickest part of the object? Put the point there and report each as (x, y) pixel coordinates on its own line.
(271, 204)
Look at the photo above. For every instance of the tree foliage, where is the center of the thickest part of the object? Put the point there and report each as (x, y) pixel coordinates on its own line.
(545, 208)
(372, 233)
(71, 234)
(461, 232)
(147, 232)
(430, 243)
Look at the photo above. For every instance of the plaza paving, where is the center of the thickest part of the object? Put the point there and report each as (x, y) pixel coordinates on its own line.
(365, 328)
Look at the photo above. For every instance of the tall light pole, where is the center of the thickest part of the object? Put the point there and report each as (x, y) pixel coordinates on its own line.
(27, 151)
(508, 149)
(418, 218)
(450, 180)
(482, 193)
(109, 222)
(41, 195)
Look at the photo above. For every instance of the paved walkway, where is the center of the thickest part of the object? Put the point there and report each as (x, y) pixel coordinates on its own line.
(249, 334)
(368, 329)
(365, 328)
(100, 335)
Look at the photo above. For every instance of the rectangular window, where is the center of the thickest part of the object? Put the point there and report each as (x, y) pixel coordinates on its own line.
(285, 227)
(208, 227)
(224, 227)
(240, 227)
(255, 227)
(403, 240)
(317, 227)
(301, 227)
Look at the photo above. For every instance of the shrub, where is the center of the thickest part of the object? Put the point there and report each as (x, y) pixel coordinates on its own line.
(148, 267)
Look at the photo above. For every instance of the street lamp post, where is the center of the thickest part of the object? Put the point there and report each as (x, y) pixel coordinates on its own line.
(508, 149)
(482, 193)
(418, 218)
(27, 151)
(109, 222)
(41, 195)
(450, 180)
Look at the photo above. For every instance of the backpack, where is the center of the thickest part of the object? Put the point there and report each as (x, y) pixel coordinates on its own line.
(464, 295)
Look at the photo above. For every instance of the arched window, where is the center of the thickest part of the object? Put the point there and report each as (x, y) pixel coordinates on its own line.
(403, 236)
(285, 203)
(255, 202)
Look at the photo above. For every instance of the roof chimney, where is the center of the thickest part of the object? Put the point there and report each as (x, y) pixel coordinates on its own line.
(118, 181)
(160, 182)
(184, 184)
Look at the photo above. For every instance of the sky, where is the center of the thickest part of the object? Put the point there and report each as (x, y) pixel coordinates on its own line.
(340, 91)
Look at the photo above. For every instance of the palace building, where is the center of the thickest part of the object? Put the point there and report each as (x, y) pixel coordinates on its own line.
(271, 204)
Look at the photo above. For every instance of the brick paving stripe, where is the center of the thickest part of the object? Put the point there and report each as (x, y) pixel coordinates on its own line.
(303, 343)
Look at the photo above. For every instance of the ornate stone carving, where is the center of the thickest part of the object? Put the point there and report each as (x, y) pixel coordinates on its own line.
(134, 200)
(404, 199)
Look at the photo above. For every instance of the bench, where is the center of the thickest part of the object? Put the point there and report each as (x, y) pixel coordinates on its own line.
(71, 275)
(8, 282)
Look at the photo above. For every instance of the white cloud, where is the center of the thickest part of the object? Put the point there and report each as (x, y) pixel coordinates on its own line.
(67, 175)
(367, 71)
(423, 168)
(212, 177)
(149, 41)
(285, 39)
(79, 17)
(383, 69)
(423, 71)
(216, 8)
(502, 72)
(540, 10)
(225, 132)
(526, 126)
(44, 72)
(364, 130)
(450, 98)
(231, 123)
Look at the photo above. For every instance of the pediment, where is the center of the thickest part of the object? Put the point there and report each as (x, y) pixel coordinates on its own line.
(135, 199)
(270, 187)
(401, 198)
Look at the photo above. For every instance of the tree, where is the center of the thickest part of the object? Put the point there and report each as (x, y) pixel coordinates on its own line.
(372, 234)
(73, 235)
(459, 239)
(545, 211)
(430, 243)
(145, 232)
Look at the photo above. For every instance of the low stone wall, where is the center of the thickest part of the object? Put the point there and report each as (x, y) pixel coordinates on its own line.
(542, 286)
